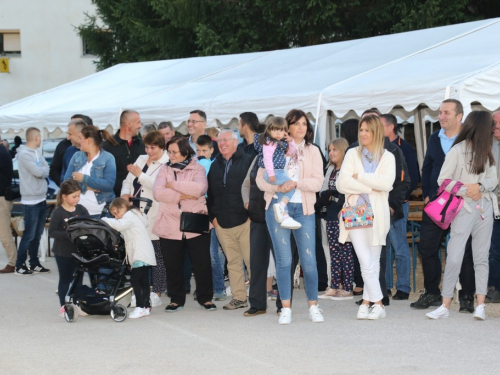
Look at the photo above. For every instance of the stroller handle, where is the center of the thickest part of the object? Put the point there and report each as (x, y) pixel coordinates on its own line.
(148, 202)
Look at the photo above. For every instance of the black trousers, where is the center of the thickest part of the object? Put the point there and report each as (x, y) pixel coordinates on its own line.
(430, 244)
(139, 279)
(381, 276)
(323, 281)
(66, 267)
(174, 253)
(260, 247)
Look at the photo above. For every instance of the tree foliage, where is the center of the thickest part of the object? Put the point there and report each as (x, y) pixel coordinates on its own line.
(146, 30)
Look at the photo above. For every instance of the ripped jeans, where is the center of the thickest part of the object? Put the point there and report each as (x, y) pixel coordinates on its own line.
(306, 246)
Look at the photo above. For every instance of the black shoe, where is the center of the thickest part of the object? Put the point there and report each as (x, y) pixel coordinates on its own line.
(426, 300)
(389, 292)
(171, 308)
(39, 269)
(252, 311)
(399, 296)
(209, 307)
(466, 304)
(23, 270)
(386, 301)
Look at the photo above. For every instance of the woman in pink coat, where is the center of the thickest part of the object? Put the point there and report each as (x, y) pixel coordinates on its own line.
(181, 186)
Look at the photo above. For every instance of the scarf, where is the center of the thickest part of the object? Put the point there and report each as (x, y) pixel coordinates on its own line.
(181, 165)
(298, 156)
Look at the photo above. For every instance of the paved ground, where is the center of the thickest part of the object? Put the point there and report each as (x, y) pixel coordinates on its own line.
(34, 339)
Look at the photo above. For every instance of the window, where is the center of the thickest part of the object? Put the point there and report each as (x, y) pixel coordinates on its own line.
(85, 49)
(10, 43)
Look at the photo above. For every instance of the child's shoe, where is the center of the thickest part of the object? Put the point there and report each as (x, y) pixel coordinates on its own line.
(289, 223)
(139, 312)
(279, 212)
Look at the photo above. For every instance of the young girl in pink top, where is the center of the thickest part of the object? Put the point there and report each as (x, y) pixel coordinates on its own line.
(273, 145)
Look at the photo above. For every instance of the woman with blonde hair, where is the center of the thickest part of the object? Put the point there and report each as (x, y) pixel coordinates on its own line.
(368, 172)
(342, 260)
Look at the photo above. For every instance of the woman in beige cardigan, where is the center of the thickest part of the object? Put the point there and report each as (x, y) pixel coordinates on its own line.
(305, 169)
(367, 174)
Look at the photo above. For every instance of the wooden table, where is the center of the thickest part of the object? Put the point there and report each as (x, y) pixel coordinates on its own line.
(416, 205)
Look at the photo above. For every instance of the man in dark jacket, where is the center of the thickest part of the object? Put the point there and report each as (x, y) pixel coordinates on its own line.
(56, 166)
(248, 126)
(5, 208)
(431, 236)
(397, 233)
(228, 214)
(129, 146)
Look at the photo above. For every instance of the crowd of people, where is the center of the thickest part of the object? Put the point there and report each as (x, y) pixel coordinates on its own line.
(272, 199)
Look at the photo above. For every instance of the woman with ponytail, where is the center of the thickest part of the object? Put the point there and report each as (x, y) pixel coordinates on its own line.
(94, 169)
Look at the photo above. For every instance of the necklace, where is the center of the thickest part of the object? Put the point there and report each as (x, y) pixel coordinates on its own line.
(368, 157)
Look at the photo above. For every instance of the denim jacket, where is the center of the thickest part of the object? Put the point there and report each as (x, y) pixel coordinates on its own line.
(102, 175)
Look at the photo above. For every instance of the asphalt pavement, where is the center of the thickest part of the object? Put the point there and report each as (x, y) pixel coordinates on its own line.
(35, 340)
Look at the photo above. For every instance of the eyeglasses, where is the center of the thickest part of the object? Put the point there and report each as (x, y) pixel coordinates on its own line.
(225, 140)
(173, 152)
(194, 122)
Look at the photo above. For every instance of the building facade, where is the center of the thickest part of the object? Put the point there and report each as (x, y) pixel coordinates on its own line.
(43, 48)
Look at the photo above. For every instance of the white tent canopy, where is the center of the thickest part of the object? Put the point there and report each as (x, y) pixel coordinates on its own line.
(408, 74)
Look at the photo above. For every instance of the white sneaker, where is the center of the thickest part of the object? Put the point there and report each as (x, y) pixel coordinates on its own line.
(132, 302)
(285, 316)
(440, 313)
(378, 312)
(289, 223)
(363, 312)
(278, 212)
(480, 313)
(155, 300)
(61, 312)
(139, 312)
(315, 314)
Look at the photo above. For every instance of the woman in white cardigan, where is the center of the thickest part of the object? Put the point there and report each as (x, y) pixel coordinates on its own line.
(368, 173)
(139, 183)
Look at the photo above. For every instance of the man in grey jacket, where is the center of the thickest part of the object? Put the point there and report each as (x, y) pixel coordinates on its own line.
(33, 171)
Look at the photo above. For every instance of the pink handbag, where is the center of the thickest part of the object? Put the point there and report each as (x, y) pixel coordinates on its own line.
(445, 206)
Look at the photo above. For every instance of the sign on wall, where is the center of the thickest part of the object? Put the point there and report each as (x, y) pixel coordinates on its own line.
(4, 65)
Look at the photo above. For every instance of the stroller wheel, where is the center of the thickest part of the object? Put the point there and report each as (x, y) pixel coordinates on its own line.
(118, 313)
(70, 313)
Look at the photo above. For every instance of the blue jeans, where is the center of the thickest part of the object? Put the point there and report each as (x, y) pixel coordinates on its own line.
(306, 245)
(281, 178)
(218, 258)
(34, 224)
(397, 238)
(494, 256)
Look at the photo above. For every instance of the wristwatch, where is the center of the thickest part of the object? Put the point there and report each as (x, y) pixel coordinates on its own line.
(481, 188)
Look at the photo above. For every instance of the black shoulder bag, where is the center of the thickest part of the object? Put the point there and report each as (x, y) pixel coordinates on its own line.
(192, 222)
(12, 192)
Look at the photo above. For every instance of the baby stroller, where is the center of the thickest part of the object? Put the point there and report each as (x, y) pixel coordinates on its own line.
(101, 253)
